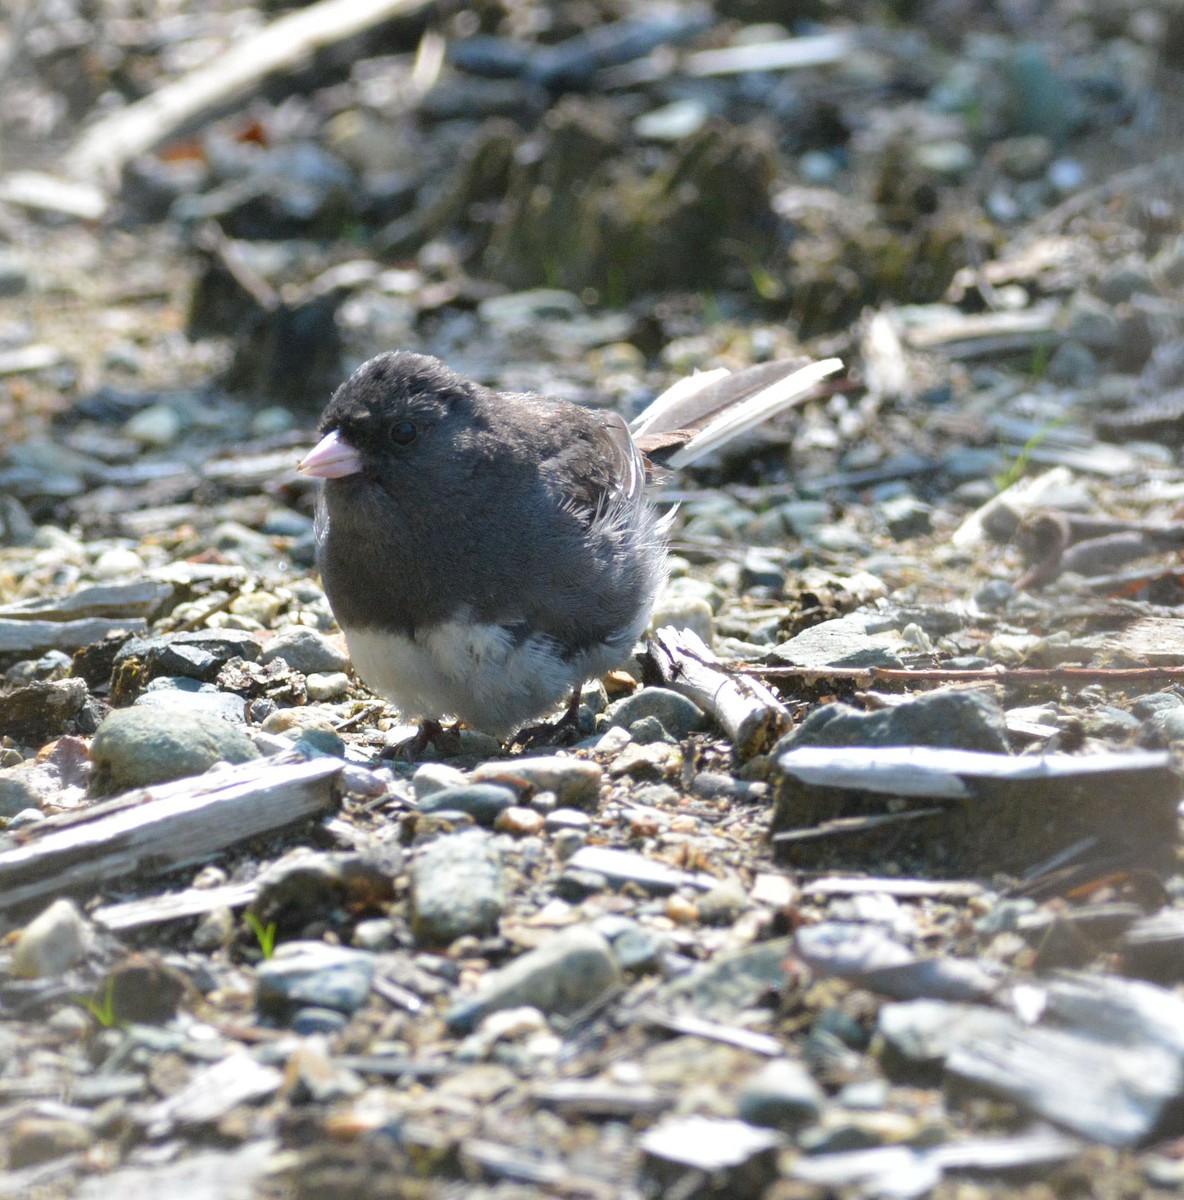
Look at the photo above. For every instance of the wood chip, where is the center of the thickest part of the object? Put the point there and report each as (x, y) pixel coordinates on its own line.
(160, 828)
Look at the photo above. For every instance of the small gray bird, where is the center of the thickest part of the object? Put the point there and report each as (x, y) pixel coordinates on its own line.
(485, 553)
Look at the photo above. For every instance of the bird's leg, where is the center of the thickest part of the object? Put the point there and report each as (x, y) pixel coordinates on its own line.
(429, 733)
(560, 732)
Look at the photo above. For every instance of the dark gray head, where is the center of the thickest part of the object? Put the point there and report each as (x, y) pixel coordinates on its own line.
(398, 408)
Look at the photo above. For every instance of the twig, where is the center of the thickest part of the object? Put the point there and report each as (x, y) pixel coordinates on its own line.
(751, 716)
(1032, 676)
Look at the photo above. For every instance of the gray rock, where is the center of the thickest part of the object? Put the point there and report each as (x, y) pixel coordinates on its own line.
(576, 885)
(723, 904)
(304, 885)
(573, 969)
(995, 595)
(377, 933)
(1155, 703)
(651, 762)
(1110, 721)
(857, 639)
(649, 730)
(619, 867)
(559, 819)
(313, 1020)
(215, 930)
(730, 982)
(1072, 364)
(14, 273)
(973, 462)
(1092, 322)
(781, 1095)
(947, 718)
(678, 715)
(457, 888)
(177, 694)
(156, 425)
(22, 787)
(637, 947)
(739, 1159)
(221, 645)
(34, 1139)
(484, 802)
(327, 685)
(138, 746)
(432, 777)
(575, 782)
(684, 612)
(42, 710)
(714, 785)
(51, 943)
(1171, 724)
(306, 651)
(906, 517)
(313, 973)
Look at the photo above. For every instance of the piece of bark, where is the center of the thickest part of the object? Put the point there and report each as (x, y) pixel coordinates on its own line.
(977, 334)
(211, 89)
(211, 1093)
(967, 813)
(118, 601)
(747, 711)
(783, 54)
(901, 889)
(157, 829)
(31, 639)
(173, 906)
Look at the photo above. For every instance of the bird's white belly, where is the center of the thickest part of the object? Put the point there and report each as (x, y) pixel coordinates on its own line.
(473, 671)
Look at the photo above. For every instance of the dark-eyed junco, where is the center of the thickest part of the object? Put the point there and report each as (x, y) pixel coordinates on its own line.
(486, 553)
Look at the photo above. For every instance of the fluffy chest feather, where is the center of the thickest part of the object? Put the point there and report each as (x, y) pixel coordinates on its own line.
(488, 675)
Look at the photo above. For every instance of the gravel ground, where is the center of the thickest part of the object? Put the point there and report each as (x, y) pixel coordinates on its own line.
(914, 926)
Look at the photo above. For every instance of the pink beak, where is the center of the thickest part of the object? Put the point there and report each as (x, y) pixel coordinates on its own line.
(331, 458)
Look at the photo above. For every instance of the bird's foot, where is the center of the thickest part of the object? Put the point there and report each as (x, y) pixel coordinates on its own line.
(564, 732)
(429, 733)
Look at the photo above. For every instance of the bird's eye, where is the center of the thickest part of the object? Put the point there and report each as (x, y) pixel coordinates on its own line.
(402, 433)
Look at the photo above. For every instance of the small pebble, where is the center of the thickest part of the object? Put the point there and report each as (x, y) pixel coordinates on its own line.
(117, 562)
(156, 425)
(568, 972)
(53, 942)
(313, 973)
(781, 1095)
(457, 888)
(432, 777)
(519, 821)
(327, 685)
(305, 650)
(674, 713)
(567, 818)
(484, 802)
(681, 910)
(575, 781)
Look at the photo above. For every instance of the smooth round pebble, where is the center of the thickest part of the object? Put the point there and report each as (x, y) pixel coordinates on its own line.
(135, 747)
(327, 685)
(305, 650)
(51, 943)
(117, 562)
(519, 821)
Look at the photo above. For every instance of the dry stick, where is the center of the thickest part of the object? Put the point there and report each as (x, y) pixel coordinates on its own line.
(866, 676)
(751, 715)
(283, 45)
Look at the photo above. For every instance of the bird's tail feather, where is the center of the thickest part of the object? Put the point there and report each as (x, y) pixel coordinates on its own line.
(707, 410)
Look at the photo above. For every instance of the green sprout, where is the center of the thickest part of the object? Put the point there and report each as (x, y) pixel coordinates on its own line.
(1019, 467)
(103, 1010)
(264, 934)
